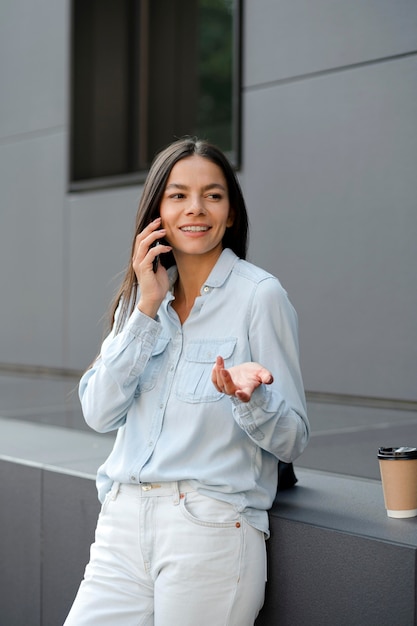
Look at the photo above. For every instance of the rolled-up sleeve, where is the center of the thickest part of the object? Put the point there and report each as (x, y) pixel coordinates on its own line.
(107, 389)
(276, 416)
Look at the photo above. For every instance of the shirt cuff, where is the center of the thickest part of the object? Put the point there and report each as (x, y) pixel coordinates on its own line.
(139, 323)
(141, 333)
(245, 412)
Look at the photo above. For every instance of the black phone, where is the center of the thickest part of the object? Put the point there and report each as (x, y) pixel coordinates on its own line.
(155, 262)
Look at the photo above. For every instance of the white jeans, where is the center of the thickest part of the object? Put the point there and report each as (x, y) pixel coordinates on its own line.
(164, 555)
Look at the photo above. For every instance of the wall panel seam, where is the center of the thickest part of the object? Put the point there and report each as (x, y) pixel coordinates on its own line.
(326, 72)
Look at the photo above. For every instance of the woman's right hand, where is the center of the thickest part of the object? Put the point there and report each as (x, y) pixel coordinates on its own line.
(153, 285)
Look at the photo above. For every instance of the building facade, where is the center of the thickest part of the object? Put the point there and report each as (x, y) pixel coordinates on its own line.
(328, 139)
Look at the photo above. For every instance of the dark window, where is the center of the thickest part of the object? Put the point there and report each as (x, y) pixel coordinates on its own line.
(145, 72)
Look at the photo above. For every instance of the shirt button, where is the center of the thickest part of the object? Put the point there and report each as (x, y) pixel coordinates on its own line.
(133, 478)
(206, 289)
(150, 444)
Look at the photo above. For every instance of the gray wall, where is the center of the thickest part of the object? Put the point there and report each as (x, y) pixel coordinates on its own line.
(330, 135)
(329, 152)
(43, 562)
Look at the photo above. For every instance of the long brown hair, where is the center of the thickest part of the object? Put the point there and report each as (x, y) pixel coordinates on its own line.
(236, 237)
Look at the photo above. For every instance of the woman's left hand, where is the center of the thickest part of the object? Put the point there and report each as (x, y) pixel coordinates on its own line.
(239, 380)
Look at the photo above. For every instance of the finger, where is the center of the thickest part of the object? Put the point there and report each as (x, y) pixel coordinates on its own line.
(218, 365)
(243, 396)
(266, 376)
(157, 248)
(227, 384)
(220, 362)
(149, 248)
(152, 226)
(216, 378)
(138, 239)
(152, 241)
(146, 232)
(223, 377)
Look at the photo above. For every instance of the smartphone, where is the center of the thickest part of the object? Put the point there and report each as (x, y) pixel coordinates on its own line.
(155, 262)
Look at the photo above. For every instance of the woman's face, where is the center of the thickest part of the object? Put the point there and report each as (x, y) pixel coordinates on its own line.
(195, 209)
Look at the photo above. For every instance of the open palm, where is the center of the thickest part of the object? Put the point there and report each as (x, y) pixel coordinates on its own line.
(240, 380)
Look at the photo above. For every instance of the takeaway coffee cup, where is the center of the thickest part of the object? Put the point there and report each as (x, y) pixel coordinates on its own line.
(398, 468)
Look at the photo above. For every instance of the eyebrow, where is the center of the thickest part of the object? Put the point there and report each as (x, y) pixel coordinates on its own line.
(205, 188)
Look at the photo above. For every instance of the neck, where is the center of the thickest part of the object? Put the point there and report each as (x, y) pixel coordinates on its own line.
(189, 283)
(192, 274)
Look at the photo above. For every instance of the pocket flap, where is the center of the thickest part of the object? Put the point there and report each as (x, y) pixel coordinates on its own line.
(207, 351)
(160, 345)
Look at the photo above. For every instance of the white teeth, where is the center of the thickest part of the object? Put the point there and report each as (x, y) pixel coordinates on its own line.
(195, 229)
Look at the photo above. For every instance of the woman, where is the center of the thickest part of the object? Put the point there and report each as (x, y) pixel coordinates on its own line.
(200, 376)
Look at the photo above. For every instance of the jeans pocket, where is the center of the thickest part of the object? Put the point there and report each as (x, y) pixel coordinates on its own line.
(110, 496)
(205, 511)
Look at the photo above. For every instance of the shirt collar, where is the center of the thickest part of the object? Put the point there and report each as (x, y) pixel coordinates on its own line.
(218, 274)
(222, 269)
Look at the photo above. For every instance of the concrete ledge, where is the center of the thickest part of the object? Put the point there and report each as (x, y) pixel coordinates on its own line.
(335, 558)
(47, 518)
(47, 522)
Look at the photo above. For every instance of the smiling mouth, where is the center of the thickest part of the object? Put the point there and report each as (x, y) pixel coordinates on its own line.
(195, 229)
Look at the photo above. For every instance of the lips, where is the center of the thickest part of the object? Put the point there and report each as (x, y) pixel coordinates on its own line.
(194, 229)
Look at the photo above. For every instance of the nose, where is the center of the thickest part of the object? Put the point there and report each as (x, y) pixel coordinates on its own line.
(196, 206)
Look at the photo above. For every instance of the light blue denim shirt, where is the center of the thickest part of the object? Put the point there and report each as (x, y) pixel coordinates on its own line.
(152, 382)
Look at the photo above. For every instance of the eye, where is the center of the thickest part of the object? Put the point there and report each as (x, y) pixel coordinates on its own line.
(215, 196)
(177, 196)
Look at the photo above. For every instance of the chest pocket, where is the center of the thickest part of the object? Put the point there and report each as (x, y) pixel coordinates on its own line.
(194, 375)
(147, 380)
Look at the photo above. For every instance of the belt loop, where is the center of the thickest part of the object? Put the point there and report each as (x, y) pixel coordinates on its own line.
(114, 490)
(175, 493)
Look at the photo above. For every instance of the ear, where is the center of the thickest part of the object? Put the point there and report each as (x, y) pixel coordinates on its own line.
(231, 218)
